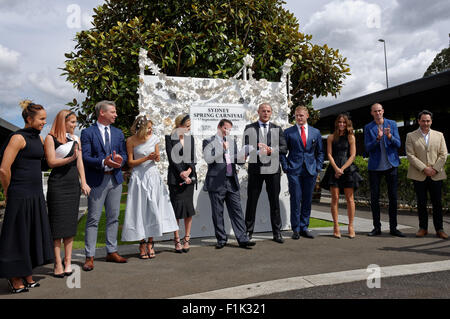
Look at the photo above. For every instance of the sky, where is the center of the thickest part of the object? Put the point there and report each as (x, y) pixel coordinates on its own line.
(35, 35)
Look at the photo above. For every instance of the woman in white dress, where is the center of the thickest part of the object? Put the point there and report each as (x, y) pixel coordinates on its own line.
(149, 212)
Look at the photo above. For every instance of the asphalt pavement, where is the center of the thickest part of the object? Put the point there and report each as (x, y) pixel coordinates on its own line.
(206, 269)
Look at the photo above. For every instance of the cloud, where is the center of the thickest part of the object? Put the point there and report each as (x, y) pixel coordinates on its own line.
(52, 85)
(416, 14)
(8, 59)
(354, 28)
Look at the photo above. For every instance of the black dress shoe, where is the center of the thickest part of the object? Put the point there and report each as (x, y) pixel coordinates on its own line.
(374, 232)
(397, 233)
(220, 245)
(307, 234)
(296, 236)
(278, 238)
(247, 244)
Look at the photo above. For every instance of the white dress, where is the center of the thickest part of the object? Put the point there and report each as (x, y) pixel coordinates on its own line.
(149, 212)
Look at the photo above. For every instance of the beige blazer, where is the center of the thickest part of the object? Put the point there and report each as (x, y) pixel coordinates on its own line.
(421, 155)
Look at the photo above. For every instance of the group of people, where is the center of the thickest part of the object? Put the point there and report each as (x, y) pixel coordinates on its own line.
(93, 165)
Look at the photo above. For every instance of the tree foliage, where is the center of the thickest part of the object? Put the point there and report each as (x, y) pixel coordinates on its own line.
(195, 38)
(440, 63)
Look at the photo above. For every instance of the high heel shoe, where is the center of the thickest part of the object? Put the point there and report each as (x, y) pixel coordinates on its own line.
(16, 290)
(186, 241)
(351, 233)
(151, 251)
(32, 284)
(67, 273)
(177, 242)
(61, 275)
(336, 233)
(143, 253)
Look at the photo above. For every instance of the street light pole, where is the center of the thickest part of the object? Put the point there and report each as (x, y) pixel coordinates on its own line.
(385, 61)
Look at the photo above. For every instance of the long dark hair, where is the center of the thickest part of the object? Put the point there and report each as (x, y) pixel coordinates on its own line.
(349, 126)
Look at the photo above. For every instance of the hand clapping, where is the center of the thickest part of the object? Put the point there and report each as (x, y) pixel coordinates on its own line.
(114, 160)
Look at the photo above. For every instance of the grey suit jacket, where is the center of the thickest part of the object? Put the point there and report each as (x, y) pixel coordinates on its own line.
(214, 155)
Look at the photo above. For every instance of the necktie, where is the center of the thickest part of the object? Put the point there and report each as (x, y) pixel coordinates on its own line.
(107, 143)
(303, 136)
(228, 161)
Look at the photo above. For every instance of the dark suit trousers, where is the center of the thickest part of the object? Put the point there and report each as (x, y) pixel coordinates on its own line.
(255, 182)
(231, 196)
(391, 181)
(435, 189)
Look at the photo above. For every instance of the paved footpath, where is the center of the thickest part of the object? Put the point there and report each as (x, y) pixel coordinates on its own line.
(268, 269)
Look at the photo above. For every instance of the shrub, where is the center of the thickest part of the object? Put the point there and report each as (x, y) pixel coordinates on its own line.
(406, 194)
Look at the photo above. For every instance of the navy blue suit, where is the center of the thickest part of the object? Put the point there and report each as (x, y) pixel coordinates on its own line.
(94, 153)
(106, 188)
(302, 166)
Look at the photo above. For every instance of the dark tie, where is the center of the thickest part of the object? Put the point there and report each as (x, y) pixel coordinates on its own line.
(107, 143)
(303, 136)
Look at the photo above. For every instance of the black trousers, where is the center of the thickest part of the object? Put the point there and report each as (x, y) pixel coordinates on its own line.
(391, 177)
(255, 182)
(435, 190)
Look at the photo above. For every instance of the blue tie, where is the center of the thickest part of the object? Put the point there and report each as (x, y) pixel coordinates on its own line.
(107, 143)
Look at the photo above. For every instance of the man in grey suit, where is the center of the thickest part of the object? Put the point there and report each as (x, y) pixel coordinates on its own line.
(222, 185)
(104, 154)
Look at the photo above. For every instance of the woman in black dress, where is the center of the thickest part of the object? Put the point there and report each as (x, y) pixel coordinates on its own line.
(342, 175)
(182, 177)
(25, 241)
(63, 153)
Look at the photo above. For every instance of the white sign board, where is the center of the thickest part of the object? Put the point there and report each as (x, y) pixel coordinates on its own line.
(205, 117)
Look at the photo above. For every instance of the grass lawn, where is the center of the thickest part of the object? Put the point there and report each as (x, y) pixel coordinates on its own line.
(79, 238)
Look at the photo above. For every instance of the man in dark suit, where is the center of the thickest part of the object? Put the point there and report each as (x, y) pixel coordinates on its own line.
(104, 153)
(302, 165)
(267, 143)
(222, 184)
(381, 141)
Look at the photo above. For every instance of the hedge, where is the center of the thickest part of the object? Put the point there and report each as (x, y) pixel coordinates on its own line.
(406, 194)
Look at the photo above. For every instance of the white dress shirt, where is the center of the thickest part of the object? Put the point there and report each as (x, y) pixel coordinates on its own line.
(426, 137)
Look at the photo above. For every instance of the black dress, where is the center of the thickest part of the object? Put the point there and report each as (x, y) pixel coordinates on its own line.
(63, 195)
(25, 241)
(351, 177)
(181, 196)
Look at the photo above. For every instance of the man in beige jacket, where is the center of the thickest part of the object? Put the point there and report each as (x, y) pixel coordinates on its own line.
(427, 154)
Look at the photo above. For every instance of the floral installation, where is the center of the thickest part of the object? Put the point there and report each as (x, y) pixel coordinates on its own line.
(163, 98)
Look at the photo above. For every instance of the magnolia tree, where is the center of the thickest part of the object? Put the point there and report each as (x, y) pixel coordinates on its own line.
(195, 38)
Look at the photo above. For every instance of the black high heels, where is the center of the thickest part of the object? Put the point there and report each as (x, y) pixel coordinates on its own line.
(16, 290)
(32, 284)
(186, 241)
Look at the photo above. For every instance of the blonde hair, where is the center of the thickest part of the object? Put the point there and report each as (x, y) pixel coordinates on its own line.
(58, 129)
(179, 120)
(29, 109)
(139, 126)
(301, 108)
